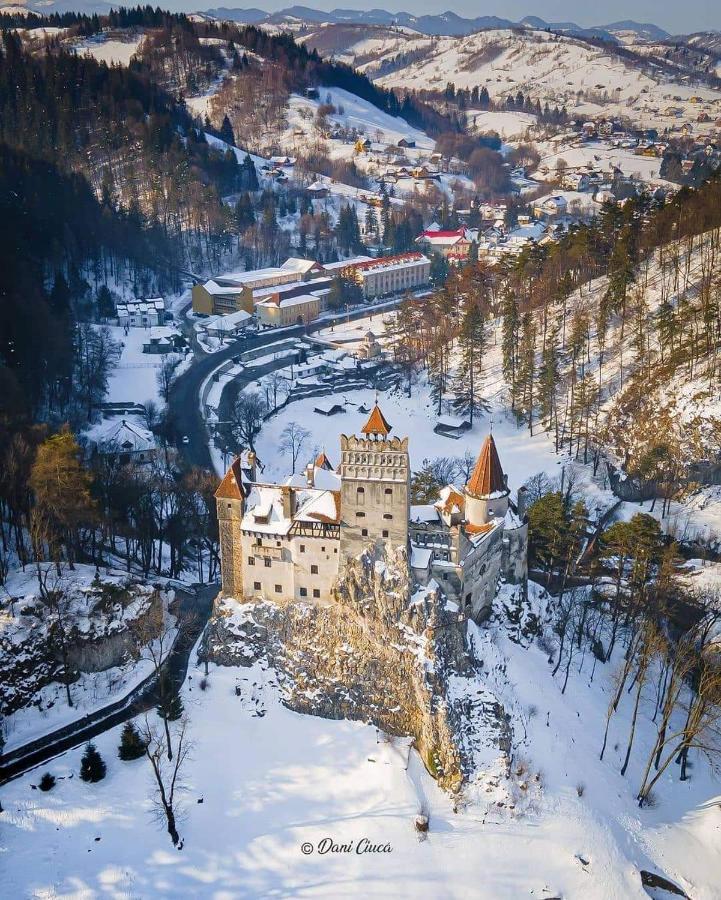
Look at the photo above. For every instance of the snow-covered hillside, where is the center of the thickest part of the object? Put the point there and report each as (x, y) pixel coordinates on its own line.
(554, 68)
(265, 786)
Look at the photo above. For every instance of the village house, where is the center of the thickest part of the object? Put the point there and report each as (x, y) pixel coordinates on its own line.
(141, 313)
(123, 442)
(546, 207)
(575, 181)
(278, 310)
(453, 244)
(289, 541)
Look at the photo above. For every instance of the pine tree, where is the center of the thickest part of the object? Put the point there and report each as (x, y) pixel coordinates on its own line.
(548, 378)
(92, 766)
(171, 708)
(511, 324)
(131, 744)
(472, 345)
(47, 782)
(527, 366)
(226, 131)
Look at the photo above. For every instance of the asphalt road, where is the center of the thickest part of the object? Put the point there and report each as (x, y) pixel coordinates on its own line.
(184, 402)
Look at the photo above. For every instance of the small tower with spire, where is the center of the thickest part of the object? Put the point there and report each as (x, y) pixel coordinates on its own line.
(375, 479)
(487, 488)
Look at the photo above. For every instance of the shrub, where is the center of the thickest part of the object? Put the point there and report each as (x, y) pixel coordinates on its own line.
(47, 782)
(131, 745)
(92, 766)
(580, 789)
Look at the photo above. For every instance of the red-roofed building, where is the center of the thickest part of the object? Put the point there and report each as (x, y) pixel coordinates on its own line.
(454, 244)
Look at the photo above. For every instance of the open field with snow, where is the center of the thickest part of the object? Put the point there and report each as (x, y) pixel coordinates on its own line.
(262, 781)
(112, 52)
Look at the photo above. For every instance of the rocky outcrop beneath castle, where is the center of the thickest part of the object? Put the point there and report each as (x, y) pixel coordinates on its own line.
(380, 652)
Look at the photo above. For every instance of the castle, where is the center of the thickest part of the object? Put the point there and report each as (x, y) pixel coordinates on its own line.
(289, 541)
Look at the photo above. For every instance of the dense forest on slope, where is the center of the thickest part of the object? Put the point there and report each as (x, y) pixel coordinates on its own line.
(59, 247)
(609, 339)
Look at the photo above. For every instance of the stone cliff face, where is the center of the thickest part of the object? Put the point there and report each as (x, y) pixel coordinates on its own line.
(102, 624)
(377, 653)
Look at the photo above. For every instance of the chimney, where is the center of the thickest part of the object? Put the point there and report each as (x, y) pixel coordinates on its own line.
(522, 502)
(287, 500)
(310, 475)
(252, 460)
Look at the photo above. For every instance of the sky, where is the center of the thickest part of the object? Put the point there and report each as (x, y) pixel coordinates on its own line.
(676, 17)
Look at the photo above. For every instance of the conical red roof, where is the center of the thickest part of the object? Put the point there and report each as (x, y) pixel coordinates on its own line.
(322, 461)
(487, 476)
(376, 423)
(230, 488)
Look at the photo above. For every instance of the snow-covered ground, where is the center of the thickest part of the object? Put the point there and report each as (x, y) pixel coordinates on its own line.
(264, 786)
(112, 52)
(354, 112)
(134, 378)
(414, 418)
(508, 125)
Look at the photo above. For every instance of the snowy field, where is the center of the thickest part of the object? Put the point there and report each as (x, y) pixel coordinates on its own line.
(603, 158)
(413, 417)
(264, 781)
(361, 115)
(110, 51)
(508, 125)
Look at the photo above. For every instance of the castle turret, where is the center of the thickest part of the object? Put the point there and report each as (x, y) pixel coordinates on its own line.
(375, 478)
(229, 500)
(487, 489)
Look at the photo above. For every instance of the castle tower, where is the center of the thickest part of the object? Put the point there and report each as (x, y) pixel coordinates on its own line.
(229, 505)
(487, 489)
(375, 485)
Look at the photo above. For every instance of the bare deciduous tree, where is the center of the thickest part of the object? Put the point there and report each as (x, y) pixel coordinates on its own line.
(167, 772)
(292, 440)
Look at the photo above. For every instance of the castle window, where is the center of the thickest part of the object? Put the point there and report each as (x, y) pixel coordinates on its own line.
(385, 534)
(388, 491)
(268, 562)
(256, 585)
(314, 570)
(360, 515)
(303, 592)
(302, 548)
(279, 588)
(468, 600)
(251, 560)
(277, 543)
(316, 593)
(335, 549)
(387, 516)
(322, 549)
(259, 542)
(360, 490)
(364, 532)
(230, 506)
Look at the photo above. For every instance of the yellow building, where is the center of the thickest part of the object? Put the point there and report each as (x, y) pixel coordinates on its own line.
(236, 290)
(279, 311)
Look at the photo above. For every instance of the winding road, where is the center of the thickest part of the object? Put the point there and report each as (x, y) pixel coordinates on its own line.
(184, 401)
